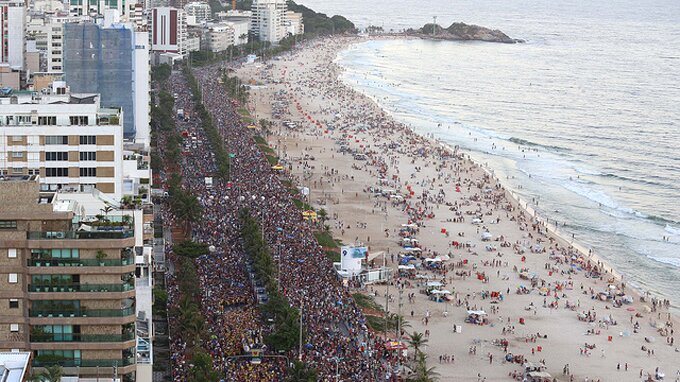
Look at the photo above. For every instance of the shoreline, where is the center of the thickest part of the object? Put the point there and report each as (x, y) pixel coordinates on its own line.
(511, 193)
(511, 196)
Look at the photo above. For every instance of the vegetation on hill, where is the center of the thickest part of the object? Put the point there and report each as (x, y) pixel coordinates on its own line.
(319, 23)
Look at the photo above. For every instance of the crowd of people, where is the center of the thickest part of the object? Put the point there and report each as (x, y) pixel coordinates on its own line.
(337, 339)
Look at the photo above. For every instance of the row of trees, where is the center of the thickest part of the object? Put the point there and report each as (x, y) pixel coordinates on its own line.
(286, 333)
(186, 207)
(422, 373)
(235, 88)
(214, 137)
(286, 318)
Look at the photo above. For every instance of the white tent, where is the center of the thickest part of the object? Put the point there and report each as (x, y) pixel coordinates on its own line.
(436, 284)
(476, 312)
(434, 260)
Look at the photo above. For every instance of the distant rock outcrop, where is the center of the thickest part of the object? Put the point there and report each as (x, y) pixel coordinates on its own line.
(462, 32)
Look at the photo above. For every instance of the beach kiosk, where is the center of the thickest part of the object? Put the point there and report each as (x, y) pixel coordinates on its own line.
(477, 317)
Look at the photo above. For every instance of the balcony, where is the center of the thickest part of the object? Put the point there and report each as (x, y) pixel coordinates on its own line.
(75, 337)
(82, 235)
(82, 313)
(80, 262)
(38, 362)
(81, 288)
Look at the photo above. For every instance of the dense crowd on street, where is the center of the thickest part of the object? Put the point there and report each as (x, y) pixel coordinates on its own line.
(336, 335)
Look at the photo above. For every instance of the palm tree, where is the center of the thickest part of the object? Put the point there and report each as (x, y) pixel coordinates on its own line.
(422, 372)
(187, 208)
(107, 208)
(202, 370)
(323, 216)
(51, 374)
(416, 340)
(393, 320)
(301, 373)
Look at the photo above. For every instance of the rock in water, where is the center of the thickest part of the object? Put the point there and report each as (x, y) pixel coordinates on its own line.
(463, 32)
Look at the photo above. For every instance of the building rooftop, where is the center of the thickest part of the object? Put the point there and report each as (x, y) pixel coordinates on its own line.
(18, 178)
(13, 366)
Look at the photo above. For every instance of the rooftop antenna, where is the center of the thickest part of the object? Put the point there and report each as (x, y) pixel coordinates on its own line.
(434, 25)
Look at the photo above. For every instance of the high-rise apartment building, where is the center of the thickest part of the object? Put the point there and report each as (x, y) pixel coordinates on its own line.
(198, 12)
(95, 7)
(112, 61)
(13, 30)
(168, 30)
(268, 20)
(67, 290)
(67, 139)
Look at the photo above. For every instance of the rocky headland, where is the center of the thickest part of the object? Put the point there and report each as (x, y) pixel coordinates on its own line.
(462, 32)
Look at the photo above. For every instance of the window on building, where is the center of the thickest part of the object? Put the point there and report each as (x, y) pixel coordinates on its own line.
(52, 172)
(88, 139)
(13, 303)
(12, 253)
(33, 157)
(13, 278)
(17, 154)
(8, 224)
(24, 119)
(88, 171)
(33, 171)
(60, 354)
(56, 155)
(88, 155)
(17, 170)
(14, 328)
(56, 140)
(57, 253)
(17, 138)
(60, 332)
(80, 120)
(49, 120)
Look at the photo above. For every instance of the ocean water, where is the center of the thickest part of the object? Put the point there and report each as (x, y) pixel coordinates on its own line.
(584, 118)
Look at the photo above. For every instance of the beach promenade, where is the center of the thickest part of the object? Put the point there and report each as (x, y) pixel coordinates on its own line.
(545, 299)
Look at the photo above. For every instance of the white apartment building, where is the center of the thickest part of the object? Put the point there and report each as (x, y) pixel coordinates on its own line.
(67, 139)
(96, 7)
(168, 30)
(240, 28)
(268, 20)
(217, 37)
(193, 43)
(135, 15)
(197, 12)
(48, 34)
(293, 23)
(13, 31)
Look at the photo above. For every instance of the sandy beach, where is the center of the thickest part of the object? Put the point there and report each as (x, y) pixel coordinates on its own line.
(545, 299)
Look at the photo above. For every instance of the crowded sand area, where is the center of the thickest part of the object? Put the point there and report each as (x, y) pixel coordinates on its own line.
(542, 299)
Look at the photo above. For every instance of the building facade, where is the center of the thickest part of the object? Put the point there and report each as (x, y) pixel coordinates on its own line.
(268, 20)
(112, 61)
(198, 12)
(168, 30)
(67, 139)
(217, 37)
(13, 36)
(293, 23)
(66, 284)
